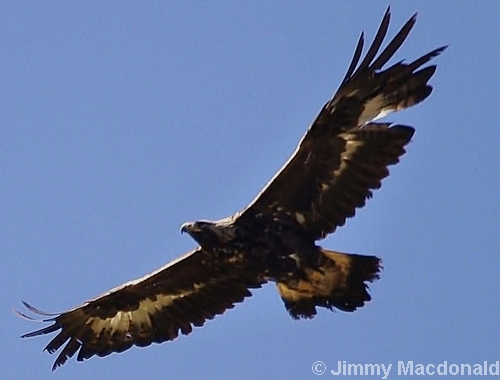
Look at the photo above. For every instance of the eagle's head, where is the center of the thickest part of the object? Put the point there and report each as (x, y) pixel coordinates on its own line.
(209, 234)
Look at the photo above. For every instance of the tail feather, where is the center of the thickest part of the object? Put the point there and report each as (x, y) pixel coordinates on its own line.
(338, 282)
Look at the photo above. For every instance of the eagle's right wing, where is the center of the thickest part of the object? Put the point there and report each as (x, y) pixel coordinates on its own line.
(343, 156)
(152, 309)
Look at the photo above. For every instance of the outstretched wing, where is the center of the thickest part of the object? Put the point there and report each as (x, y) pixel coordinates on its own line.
(342, 157)
(182, 294)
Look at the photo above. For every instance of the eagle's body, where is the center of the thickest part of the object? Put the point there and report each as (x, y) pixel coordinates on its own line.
(343, 157)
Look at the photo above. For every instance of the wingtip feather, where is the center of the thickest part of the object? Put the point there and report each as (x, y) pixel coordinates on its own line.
(37, 311)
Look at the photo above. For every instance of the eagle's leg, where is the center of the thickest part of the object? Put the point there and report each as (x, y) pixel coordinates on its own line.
(305, 253)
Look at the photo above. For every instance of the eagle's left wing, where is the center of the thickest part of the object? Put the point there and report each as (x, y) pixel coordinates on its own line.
(342, 157)
(152, 309)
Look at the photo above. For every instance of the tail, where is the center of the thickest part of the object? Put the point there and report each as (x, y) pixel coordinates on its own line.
(337, 282)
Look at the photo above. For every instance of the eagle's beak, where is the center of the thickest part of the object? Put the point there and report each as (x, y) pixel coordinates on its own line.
(190, 227)
(186, 227)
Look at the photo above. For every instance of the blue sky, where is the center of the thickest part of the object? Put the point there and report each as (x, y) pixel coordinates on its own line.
(121, 120)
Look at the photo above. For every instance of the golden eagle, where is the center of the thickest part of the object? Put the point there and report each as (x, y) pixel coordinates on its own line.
(343, 156)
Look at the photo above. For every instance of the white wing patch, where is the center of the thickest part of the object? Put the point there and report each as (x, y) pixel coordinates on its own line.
(123, 320)
(300, 218)
(375, 108)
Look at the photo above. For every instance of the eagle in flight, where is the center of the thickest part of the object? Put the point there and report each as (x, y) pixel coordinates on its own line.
(341, 159)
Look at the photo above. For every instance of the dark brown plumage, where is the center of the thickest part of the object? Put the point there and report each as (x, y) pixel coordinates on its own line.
(342, 158)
